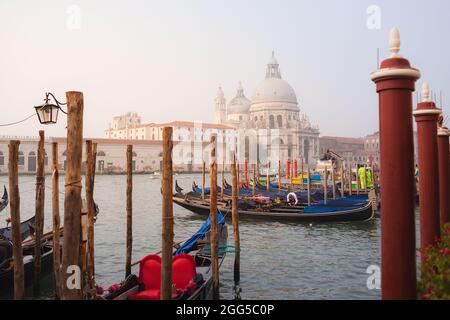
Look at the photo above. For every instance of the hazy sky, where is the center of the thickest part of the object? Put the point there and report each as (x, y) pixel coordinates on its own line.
(165, 59)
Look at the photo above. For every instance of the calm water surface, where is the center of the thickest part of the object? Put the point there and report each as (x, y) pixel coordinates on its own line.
(278, 260)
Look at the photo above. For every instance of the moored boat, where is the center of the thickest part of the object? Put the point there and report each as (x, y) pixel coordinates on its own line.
(4, 200)
(314, 213)
(191, 270)
(6, 262)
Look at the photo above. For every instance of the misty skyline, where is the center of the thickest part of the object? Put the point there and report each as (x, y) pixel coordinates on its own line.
(166, 59)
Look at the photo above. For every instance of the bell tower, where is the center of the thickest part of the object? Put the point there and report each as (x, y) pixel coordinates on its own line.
(220, 107)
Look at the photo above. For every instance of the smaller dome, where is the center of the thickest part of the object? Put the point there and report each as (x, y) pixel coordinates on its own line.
(240, 103)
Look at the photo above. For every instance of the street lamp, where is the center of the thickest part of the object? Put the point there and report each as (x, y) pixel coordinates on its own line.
(48, 112)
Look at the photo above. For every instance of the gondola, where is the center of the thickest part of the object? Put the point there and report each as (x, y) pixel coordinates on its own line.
(191, 270)
(6, 262)
(6, 233)
(314, 213)
(4, 200)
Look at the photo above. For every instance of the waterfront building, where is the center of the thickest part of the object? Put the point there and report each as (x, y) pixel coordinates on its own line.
(111, 155)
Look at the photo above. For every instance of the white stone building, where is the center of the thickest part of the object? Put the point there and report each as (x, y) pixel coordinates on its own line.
(273, 114)
(111, 155)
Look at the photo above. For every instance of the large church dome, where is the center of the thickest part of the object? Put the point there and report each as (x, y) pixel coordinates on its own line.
(274, 89)
(239, 104)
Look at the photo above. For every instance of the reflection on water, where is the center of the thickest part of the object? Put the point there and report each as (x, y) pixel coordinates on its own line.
(278, 260)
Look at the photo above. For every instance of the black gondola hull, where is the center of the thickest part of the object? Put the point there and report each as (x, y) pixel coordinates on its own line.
(357, 214)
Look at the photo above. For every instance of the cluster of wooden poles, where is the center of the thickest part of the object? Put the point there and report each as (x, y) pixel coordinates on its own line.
(76, 257)
(74, 269)
(214, 233)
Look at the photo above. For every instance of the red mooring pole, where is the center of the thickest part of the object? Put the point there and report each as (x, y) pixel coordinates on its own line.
(288, 169)
(427, 116)
(395, 82)
(444, 174)
(295, 168)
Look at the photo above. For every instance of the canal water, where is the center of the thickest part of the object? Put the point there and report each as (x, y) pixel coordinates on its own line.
(278, 260)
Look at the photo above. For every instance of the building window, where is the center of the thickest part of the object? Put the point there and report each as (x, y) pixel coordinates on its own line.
(271, 121)
(240, 118)
(280, 121)
(101, 154)
(21, 160)
(2, 159)
(32, 161)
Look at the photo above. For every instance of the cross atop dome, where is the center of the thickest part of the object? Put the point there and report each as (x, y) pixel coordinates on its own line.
(273, 70)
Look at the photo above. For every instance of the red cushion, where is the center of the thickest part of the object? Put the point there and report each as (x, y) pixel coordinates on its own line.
(152, 294)
(183, 271)
(150, 272)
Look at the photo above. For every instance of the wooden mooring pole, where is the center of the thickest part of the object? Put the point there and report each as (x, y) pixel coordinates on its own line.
(56, 222)
(14, 205)
(342, 181)
(350, 180)
(291, 175)
(309, 186)
(91, 149)
(333, 181)
(129, 191)
(268, 176)
(301, 176)
(235, 220)
(167, 215)
(71, 267)
(357, 181)
(223, 180)
(214, 220)
(279, 175)
(203, 179)
(254, 179)
(325, 182)
(39, 213)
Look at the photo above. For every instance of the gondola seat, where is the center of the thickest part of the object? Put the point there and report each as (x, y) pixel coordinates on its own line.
(183, 277)
(183, 273)
(150, 278)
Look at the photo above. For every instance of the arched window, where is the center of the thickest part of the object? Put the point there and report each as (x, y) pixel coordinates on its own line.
(134, 154)
(21, 160)
(280, 121)
(2, 159)
(271, 121)
(64, 153)
(101, 154)
(32, 161)
(46, 159)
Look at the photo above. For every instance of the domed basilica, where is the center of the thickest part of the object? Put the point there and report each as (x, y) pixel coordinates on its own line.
(273, 108)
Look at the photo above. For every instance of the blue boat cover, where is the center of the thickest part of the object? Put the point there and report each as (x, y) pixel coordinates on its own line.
(198, 190)
(345, 202)
(326, 209)
(199, 235)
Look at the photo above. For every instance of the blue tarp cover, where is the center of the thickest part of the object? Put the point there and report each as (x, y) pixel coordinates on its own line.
(199, 235)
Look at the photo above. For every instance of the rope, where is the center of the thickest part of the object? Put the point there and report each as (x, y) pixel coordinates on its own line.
(76, 184)
(17, 122)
